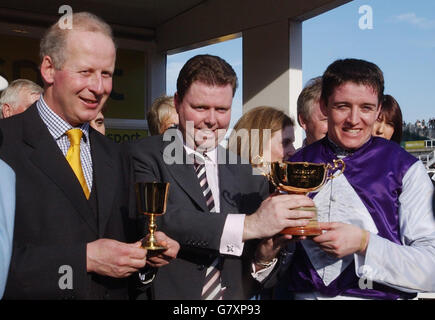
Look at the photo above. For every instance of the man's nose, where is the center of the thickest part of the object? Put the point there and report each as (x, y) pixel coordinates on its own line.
(96, 84)
(353, 116)
(210, 117)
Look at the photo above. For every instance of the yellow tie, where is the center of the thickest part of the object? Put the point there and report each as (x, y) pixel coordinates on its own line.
(73, 157)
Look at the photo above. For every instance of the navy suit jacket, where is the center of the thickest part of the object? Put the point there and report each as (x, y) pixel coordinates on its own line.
(188, 220)
(54, 220)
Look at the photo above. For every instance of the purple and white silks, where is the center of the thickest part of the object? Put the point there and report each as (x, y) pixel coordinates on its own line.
(375, 174)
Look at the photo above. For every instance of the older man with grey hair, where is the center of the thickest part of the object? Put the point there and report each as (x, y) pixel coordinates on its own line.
(75, 218)
(310, 118)
(18, 96)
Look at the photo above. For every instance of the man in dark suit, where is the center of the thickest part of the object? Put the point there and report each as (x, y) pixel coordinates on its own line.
(74, 212)
(216, 204)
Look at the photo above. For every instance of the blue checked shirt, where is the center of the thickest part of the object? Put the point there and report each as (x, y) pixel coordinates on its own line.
(58, 128)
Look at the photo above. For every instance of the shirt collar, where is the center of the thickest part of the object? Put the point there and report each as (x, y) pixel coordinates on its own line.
(339, 151)
(55, 124)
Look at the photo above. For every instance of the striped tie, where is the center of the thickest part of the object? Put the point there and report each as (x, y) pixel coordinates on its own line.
(212, 289)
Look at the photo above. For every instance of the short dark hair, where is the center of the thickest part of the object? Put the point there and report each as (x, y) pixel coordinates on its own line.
(352, 70)
(391, 113)
(208, 69)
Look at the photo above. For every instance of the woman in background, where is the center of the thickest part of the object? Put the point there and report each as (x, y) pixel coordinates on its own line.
(263, 135)
(389, 123)
(162, 115)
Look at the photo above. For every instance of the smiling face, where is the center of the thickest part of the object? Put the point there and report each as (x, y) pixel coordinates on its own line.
(78, 90)
(352, 110)
(204, 114)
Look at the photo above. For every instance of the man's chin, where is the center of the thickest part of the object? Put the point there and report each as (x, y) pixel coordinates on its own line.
(81, 119)
(204, 146)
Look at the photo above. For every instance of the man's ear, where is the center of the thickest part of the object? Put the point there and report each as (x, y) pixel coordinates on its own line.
(48, 70)
(379, 110)
(176, 102)
(302, 122)
(323, 107)
(6, 110)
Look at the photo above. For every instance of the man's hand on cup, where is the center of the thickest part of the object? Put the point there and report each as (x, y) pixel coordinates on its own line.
(161, 258)
(276, 213)
(115, 259)
(342, 239)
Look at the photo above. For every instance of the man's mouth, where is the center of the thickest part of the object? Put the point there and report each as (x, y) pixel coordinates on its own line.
(351, 131)
(90, 102)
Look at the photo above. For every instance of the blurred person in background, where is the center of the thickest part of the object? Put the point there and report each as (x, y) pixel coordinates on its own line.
(16, 98)
(7, 217)
(98, 123)
(310, 117)
(162, 115)
(389, 123)
(258, 147)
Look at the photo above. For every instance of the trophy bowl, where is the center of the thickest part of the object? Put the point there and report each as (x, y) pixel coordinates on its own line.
(302, 178)
(151, 200)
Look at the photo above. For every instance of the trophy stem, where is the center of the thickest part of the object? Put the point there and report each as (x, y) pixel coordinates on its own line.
(151, 243)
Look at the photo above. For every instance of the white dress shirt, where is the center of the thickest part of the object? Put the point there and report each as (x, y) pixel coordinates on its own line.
(232, 236)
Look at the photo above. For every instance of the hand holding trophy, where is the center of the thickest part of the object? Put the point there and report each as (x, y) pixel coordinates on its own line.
(151, 200)
(301, 178)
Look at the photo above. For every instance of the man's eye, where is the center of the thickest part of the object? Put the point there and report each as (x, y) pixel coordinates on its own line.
(341, 107)
(368, 108)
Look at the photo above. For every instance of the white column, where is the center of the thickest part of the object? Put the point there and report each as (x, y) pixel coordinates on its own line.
(295, 76)
(272, 68)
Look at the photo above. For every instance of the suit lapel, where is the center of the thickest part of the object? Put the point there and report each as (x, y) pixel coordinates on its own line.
(184, 174)
(102, 160)
(228, 186)
(47, 156)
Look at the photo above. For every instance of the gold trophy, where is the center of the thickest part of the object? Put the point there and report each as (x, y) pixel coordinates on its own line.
(151, 200)
(302, 178)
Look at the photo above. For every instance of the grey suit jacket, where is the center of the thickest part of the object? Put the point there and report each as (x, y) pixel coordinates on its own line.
(188, 220)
